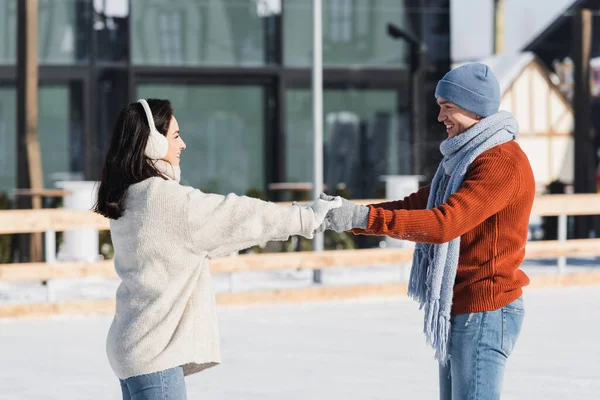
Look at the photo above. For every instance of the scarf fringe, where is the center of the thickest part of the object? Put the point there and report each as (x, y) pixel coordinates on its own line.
(442, 348)
(437, 330)
(417, 287)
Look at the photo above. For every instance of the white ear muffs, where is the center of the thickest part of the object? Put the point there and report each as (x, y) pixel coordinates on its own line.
(158, 145)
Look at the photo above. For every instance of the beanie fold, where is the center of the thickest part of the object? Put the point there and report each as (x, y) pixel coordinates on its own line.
(473, 87)
(467, 99)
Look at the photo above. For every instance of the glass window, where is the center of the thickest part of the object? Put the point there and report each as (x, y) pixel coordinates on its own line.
(111, 29)
(200, 32)
(364, 137)
(109, 103)
(436, 19)
(62, 32)
(53, 135)
(8, 127)
(8, 31)
(354, 33)
(222, 127)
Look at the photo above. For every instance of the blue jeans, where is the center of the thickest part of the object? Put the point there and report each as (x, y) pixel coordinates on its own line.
(162, 385)
(480, 344)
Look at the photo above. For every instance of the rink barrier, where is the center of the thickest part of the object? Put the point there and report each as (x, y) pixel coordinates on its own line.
(24, 272)
(60, 219)
(50, 221)
(280, 296)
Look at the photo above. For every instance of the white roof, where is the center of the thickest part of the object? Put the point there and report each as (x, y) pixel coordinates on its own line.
(472, 24)
(508, 67)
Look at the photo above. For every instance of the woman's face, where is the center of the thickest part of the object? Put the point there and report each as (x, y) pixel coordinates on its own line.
(176, 144)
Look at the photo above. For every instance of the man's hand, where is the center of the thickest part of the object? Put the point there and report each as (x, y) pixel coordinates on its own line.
(344, 218)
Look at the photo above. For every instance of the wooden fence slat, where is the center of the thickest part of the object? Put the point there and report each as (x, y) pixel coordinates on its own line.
(57, 219)
(61, 219)
(281, 261)
(38, 310)
(296, 295)
(242, 263)
(564, 280)
(310, 260)
(568, 204)
(312, 294)
(26, 221)
(62, 270)
(570, 248)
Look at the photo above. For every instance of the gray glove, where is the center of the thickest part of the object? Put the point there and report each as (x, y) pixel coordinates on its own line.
(344, 218)
(321, 208)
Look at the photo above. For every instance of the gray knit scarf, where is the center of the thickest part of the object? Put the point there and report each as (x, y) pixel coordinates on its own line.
(434, 266)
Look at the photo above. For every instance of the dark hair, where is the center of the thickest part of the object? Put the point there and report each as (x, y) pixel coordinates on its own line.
(125, 162)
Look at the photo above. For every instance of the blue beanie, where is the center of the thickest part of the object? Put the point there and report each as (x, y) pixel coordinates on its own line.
(472, 87)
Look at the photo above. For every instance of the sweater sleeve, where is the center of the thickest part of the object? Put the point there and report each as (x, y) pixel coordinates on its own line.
(414, 201)
(221, 225)
(490, 184)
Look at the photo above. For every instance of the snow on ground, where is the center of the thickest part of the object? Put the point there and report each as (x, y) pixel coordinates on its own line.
(338, 350)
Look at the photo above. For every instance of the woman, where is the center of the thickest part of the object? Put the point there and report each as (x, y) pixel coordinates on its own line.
(165, 325)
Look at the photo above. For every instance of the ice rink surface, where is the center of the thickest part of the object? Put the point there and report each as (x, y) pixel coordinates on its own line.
(337, 350)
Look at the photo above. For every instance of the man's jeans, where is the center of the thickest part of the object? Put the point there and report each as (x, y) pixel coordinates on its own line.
(163, 385)
(480, 344)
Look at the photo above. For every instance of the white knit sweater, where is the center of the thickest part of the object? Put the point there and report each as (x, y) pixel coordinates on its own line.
(165, 315)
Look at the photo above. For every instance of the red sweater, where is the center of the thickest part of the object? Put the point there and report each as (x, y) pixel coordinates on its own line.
(490, 212)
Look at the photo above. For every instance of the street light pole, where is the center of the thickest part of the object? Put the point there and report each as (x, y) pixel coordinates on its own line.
(418, 51)
(317, 95)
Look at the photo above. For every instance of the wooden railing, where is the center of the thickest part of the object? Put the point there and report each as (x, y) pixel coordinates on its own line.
(50, 221)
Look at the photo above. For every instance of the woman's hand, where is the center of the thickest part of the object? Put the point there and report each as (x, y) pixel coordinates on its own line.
(344, 218)
(321, 207)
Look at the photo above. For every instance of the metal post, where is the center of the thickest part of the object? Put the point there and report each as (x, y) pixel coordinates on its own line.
(51, 295)
(50, 258)
(50, 246)
(562, 237)
(585, 181)
(498, 26)
(317, 89)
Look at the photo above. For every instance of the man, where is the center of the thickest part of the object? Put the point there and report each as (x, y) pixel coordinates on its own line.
(470, 225)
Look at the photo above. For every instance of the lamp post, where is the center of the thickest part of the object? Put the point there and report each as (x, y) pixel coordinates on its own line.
(317, 95)
(418, 67)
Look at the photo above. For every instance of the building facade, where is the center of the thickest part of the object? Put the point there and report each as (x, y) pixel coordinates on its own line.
(238, 73)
